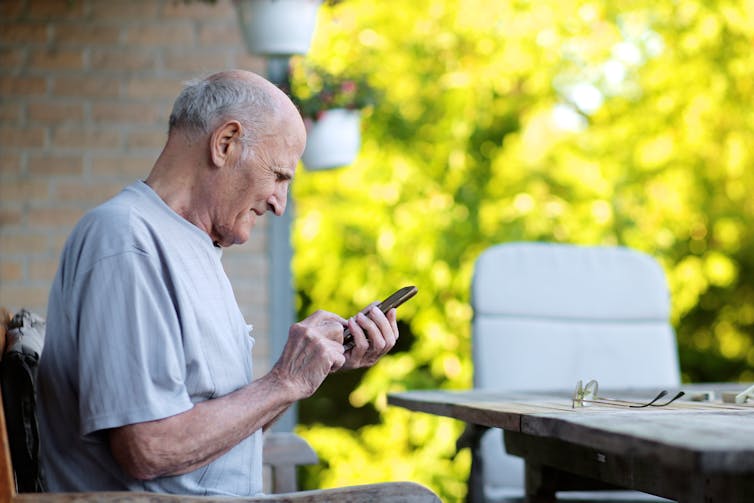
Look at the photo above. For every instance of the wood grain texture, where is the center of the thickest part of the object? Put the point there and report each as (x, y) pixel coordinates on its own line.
(689, 451)
(399, 492)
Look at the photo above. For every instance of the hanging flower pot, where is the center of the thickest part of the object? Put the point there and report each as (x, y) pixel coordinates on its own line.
(277, 27)
(333, 140)
(331, 105)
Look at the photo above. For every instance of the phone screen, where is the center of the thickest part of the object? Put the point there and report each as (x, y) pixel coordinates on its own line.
(394, 300)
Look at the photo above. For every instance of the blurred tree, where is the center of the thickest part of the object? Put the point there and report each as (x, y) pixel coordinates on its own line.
(622, 122)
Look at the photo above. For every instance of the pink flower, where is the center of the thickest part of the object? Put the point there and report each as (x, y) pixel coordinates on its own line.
(349, 86)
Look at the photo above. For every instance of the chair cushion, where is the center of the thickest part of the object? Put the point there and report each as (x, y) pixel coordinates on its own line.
(533, 354)
(572, 282)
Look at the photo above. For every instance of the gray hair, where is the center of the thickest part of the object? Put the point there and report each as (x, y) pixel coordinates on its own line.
(205, 103)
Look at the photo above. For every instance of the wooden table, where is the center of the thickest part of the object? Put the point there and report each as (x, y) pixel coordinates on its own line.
(688, 451)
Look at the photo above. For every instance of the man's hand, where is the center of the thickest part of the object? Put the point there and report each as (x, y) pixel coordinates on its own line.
(184, 442)
(374, 334)
(314, 350)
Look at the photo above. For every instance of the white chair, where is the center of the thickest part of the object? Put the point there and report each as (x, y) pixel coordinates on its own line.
(547, 315)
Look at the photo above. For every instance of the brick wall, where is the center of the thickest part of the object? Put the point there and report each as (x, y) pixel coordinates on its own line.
(86, 87)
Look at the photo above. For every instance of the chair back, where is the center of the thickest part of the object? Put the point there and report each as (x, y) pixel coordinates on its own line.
(547, 315)
(24, 340)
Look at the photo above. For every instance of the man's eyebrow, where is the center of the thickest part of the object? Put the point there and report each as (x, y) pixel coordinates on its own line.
(284, 173)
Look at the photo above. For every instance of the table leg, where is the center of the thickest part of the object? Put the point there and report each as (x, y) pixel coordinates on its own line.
(540, 483)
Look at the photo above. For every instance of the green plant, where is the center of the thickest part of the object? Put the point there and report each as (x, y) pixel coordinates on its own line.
(315, 90)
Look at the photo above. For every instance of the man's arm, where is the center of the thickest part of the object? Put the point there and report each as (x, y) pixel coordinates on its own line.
(184, 442)
(187, 441)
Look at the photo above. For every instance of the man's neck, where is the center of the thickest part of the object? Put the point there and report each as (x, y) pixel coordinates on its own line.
(176, 179)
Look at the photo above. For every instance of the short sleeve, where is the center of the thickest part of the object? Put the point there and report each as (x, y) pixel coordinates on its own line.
(131, 362)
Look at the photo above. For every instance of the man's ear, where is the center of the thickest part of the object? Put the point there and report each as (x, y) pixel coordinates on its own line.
(225, 143)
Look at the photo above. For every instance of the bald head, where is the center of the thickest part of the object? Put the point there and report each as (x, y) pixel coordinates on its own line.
(234, 143)
(231, 95)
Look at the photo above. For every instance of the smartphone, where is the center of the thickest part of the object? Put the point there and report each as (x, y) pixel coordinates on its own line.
(394, 300)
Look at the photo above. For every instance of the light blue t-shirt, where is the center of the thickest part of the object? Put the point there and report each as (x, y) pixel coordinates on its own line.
(142, 324)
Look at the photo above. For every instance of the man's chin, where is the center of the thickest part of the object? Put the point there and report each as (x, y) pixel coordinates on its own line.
(241, 233)
(242, 240)
(232, 239)
(241, 237)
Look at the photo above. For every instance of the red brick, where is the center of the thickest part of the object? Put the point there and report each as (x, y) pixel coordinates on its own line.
(56, 240)
(85, 34)
(153, 88)
(86, 87)
(122, 60)
(22, 244)
(10, 164)
(138, 113)
(22, 137)
(11, 270)
(55, 9)
(121, 10)
(12, 57)
(42, 269)
(22, 86)
(55, 165)
(198, 10)
(29, 297)
(161, 34)
(89, 192)
(11, 10)
(23, 33)
(55, 113)
(85, 138)
(20, 190)
(10, 217)
(146, 139)
(53, 217)
(195, 61)
(129, 167)
(10, 112)
(223, 34)
(56, 59)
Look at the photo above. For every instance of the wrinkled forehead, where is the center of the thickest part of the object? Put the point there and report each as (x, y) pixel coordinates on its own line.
(288, 129)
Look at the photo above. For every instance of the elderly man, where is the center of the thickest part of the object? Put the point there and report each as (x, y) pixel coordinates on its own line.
(146, 380)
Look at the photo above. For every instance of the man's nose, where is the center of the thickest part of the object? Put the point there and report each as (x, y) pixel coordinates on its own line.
(278, 201)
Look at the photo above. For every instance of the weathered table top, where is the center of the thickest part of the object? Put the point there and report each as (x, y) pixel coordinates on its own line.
(709, 438)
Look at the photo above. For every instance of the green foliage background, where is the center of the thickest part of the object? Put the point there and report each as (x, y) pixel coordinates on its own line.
(593, 122)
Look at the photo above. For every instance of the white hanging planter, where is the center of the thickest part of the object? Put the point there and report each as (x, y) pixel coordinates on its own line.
(333, 140)
(277, 27)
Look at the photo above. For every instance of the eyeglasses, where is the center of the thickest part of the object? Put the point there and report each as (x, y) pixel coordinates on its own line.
(588, 394)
